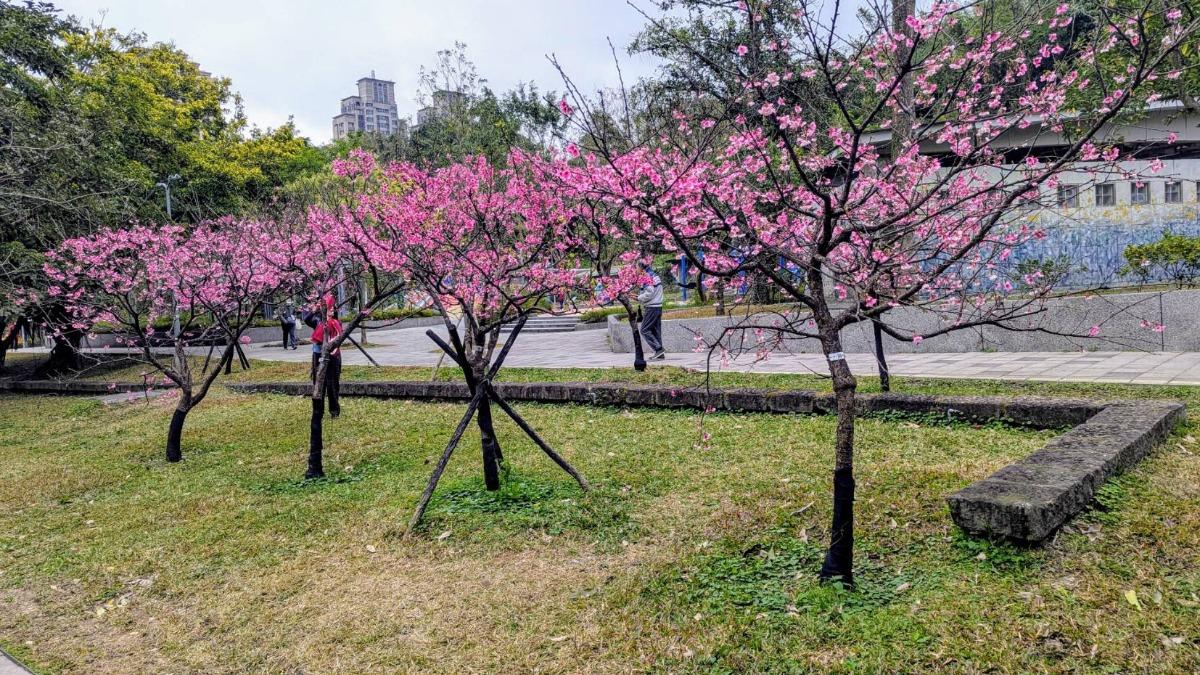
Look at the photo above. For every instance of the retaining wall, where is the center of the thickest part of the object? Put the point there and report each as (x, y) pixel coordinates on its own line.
(1119, 315)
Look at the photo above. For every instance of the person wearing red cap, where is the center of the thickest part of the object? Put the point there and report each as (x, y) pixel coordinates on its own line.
(326, 327)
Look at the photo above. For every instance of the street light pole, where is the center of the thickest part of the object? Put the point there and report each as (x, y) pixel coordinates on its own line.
(166, 186)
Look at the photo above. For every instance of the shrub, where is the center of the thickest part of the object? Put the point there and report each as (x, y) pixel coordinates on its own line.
(1174, 257)
(600, 314)
(392, 313)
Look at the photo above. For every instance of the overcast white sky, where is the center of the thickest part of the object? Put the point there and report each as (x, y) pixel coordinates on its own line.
(300, 57)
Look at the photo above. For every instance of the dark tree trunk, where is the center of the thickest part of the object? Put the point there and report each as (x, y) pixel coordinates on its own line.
(315, 441)
(175, 433)
(4, 341)
(839, 559)
(8, 337)
(491, 446)
(885, 376)
(639, 353)
(316, 444)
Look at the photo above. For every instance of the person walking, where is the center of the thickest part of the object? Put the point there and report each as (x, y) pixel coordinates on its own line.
(651, 299)
(326, 327)
(287, 321)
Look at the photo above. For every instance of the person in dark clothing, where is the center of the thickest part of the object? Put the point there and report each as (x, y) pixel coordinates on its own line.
(651, 299)
(287, 321)
(324, 330)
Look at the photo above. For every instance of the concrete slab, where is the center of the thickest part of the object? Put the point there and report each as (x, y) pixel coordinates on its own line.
(9, 666)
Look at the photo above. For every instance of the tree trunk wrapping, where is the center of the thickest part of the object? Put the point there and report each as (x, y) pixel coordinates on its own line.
(490, 446)
(315, 442)
(885, 375)
(839, 559)
(175, 435)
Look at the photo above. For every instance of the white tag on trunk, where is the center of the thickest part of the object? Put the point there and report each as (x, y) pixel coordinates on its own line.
(837, 356)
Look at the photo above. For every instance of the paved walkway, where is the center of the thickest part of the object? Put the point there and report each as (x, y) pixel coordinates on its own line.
(589, 349)
(10, 667)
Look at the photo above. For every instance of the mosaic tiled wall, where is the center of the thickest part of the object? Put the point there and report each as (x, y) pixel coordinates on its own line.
(1093, 240)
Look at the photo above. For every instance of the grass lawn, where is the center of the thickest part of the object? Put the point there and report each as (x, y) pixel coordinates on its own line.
(687, 557)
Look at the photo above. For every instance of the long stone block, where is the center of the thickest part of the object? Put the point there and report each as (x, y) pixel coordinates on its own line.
(1029, 500)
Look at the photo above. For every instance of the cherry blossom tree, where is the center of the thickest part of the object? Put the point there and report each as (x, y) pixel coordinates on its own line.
(348, 247)
(813, 193)
(214, 277)
(485, 246)
(604, 240)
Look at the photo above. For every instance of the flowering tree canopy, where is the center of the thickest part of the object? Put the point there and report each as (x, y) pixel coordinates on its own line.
(213, 277)
(603, 239)
(902, 183)
(482, 244)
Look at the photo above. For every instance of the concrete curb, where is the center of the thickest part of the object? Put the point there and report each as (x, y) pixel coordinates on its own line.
(76, 387)
(10, 666)
(1029, 500)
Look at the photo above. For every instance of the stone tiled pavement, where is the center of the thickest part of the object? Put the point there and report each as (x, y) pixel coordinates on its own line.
(10, 667)
(589, 349)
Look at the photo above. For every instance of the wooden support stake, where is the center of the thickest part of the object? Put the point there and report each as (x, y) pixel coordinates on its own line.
(364, 352)
(558, 459)
(445, 459)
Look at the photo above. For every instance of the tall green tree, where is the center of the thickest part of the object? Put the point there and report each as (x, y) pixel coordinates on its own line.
(91, 121)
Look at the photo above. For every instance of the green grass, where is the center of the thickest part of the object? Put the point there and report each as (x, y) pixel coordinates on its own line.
(689, 556)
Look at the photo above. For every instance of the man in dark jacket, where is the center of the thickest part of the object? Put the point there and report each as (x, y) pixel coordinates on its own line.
(287, 321)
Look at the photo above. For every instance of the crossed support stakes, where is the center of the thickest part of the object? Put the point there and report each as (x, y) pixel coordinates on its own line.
(482, 391)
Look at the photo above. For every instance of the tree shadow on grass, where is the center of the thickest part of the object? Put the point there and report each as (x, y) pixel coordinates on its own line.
(547, 505)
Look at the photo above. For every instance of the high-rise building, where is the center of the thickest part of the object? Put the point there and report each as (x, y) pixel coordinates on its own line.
(442, 103)
(373, 110)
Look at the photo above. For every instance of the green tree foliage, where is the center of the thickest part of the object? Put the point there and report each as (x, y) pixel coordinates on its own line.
(92, 119)
(1175, 257)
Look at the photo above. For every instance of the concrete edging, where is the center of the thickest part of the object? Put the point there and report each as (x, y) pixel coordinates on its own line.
(76, 387)
(1026, 501)
(1029, 500)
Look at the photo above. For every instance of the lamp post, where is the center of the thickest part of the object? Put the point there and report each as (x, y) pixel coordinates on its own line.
(166, 186)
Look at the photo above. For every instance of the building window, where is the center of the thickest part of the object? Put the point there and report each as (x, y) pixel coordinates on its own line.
(1106, 194)
(1139, 193)
(1068, 196)
(1173, 192)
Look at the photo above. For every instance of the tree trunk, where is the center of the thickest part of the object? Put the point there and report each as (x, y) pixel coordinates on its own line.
(8, 337)
(175, 432)
(885, 375)
(839, 559)
(639, 354)
(315, 441)
(492, 454)
(316, 444)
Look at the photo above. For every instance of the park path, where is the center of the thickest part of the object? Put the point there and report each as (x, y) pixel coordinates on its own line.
(11, 667)
(589, 349)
